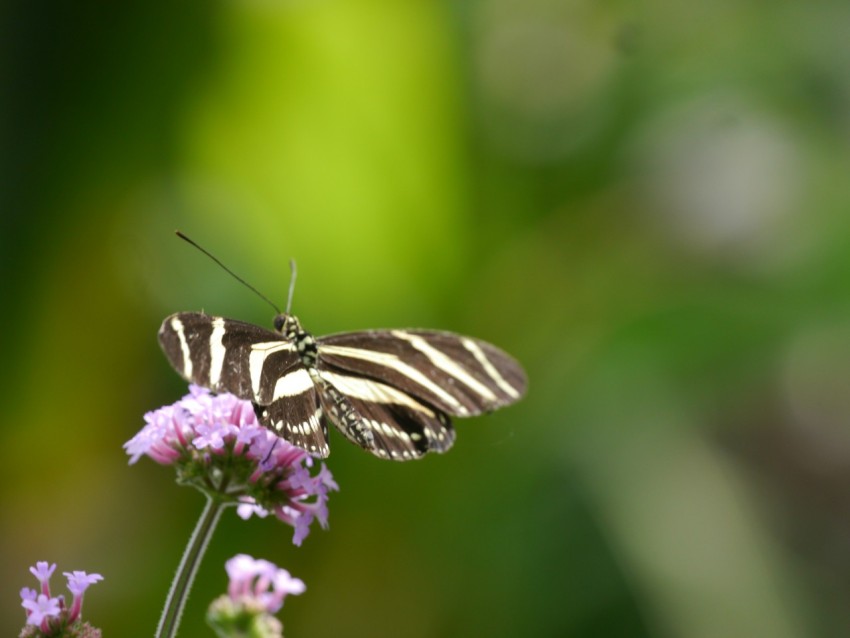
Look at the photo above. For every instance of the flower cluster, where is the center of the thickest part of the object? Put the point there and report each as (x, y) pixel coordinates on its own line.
(48, 616)
(217, 445)
(256, 590)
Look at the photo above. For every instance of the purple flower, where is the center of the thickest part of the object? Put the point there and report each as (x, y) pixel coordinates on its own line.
(42, 571)
(211, 436)
(78, 582)
(259, 584)
(248, 508)
(256, 590)
(40, 610)
(217, 445)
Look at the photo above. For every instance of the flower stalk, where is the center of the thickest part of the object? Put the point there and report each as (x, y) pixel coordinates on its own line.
(178, 594)
(216, 445)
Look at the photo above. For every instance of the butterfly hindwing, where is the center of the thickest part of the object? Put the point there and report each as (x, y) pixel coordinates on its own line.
(297, 415)
(383, 420)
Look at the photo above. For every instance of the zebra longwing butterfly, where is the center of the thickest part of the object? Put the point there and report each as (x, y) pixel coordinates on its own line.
(392, 392)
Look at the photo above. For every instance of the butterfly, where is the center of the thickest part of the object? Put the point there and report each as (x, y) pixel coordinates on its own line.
(392, 392)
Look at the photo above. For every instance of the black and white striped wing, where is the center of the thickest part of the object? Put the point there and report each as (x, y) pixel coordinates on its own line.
(252, 363)
(405, 384)
(458, 375)
(390, 391)
(382, 419)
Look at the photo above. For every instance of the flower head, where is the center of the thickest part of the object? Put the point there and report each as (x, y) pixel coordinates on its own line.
(251, 579)
(217, 445)
(47, 615)
(256, 590)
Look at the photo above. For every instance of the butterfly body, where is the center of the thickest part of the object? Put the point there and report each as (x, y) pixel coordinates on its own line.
(392, 392)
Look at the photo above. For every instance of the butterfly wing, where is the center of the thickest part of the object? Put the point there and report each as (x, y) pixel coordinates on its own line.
(390, 391)
(381, 419)
(397, 388)
(457, 375)
(225, 355)
(295, 412)
(252, 363)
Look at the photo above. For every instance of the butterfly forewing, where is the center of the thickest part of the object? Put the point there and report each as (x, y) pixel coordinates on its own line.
(457, 375)
(221, 354)
(252, 363)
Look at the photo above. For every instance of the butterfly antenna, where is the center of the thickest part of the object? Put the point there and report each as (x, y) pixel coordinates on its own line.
(294, 272)
(271, 449)
(230, 272)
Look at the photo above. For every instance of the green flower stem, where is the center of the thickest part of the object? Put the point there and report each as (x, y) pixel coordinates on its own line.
(185, 576)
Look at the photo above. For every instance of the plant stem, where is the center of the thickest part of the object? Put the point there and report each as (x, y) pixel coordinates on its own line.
(182, 583)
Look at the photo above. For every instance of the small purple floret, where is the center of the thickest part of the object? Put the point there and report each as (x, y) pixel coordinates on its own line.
(212, 436)
(41, 609)
(42, 571)
(79, 581)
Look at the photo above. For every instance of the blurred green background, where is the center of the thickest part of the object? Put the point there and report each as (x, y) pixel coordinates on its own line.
(646, 203)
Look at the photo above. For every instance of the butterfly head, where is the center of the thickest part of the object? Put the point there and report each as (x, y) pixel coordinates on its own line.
(287, 325)
(290, 328)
